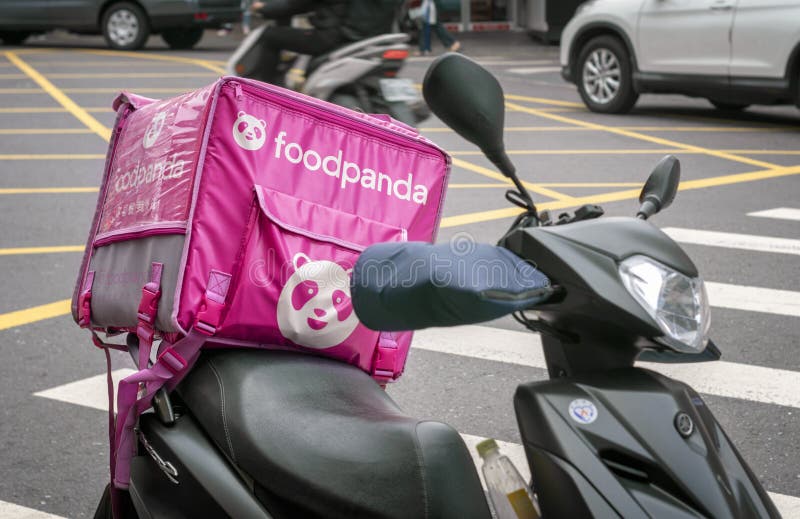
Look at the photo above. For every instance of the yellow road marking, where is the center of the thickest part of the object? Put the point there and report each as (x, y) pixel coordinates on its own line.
(114, 90)
(47, 190)
(210, 65)
(21, 91)
(79, 113)
(41, 250)
(541, 100)
(467, 153)
(634, 128)
(98, 63)
(540, 184)
(37, 313)
(112, 75)
(475, 186)
(486, 172)
(43, 131)
(644, 137)
(13, 76)
(54, 156)
(33, 110)
(616, 196)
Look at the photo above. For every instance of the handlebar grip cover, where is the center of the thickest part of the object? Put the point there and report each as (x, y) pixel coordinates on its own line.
(415, 285)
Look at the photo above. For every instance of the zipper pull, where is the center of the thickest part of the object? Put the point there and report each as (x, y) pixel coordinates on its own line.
(237, 88)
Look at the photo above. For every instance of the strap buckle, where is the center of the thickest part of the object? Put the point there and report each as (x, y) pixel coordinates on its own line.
(172, 360)
(386, 358)
(148, 305)
(209, 317)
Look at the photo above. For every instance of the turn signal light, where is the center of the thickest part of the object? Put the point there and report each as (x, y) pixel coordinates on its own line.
(395, 54)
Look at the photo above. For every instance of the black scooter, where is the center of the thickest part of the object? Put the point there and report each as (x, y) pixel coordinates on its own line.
(259, 434)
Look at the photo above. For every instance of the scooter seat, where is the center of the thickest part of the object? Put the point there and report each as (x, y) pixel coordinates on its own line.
(320, 438)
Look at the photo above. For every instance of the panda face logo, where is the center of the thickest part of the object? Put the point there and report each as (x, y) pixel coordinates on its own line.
(154, 130)
(249, 132)
(314, 308)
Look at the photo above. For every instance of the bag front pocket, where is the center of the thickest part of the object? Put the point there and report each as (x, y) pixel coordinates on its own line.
(294, 279)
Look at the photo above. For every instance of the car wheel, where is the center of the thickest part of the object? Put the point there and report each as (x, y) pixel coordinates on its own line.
(184, 38)
(728, 107)
(13, 37)
(125, 26)
(604, 76)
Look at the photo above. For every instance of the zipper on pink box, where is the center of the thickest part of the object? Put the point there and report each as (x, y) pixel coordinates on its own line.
(132, 235)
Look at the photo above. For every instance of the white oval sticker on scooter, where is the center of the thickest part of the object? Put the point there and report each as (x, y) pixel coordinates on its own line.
(583, 411)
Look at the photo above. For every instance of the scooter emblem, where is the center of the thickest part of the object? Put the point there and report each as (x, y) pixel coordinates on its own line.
(583, 411)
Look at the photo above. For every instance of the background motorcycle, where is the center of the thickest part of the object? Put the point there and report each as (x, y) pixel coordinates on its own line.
(603, 438)
(360, 76)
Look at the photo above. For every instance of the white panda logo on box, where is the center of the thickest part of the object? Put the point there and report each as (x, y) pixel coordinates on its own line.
(314, 308)
(249, 132)
(154, 130)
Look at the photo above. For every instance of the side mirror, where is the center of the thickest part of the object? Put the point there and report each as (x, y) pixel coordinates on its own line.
(661, 186)
(469, 99)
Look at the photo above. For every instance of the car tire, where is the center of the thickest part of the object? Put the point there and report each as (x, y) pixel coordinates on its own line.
(13, 37)
(183, 38)
(728, 107)
(125, 26)
(604, 76)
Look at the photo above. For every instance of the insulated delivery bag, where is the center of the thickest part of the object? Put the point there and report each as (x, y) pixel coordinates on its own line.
(231, 217)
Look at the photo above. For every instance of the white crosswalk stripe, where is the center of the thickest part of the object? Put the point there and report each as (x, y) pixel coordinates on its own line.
(734, 241)
(91, 392)
(728, 379)
(525, 71)
(779, 213)
(789, 506)
(754, 299)
(12, 511)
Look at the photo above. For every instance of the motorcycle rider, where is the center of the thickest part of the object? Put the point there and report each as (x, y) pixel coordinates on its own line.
(335, 23)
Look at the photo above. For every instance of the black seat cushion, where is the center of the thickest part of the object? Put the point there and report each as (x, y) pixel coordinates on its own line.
(324, 438)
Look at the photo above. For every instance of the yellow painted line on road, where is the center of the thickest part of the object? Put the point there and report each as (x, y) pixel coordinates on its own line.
(53, 156)
(476, 186)
(43, 131)
(210, 65)
(78, 112)
(112, 75)
(41, 250)
(37, 313)
(468, 153)
(542, 100)
(616, 196)
(13, 76)
(46, 190)
(114, 90)
(486, 172)
(33, 110)
(542, 184)
(644, 137)
(21, 91)
(721, 129)
(97, 63)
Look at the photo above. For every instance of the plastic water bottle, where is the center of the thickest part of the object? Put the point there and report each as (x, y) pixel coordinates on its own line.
(510, 495)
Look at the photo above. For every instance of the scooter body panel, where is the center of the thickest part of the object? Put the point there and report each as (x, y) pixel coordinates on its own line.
(207, 484)
(632, 443)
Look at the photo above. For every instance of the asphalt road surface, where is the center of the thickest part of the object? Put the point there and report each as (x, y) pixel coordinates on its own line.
(737, 215)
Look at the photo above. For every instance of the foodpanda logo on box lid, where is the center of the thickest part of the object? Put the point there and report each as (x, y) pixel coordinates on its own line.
(249, 133)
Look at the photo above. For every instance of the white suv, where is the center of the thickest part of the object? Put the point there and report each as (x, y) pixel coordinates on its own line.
(733, 52)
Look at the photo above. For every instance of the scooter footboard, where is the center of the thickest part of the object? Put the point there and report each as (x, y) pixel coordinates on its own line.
(632, 443)
(181, 473)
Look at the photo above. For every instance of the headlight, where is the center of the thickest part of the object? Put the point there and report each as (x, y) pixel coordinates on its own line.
(678, 303)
